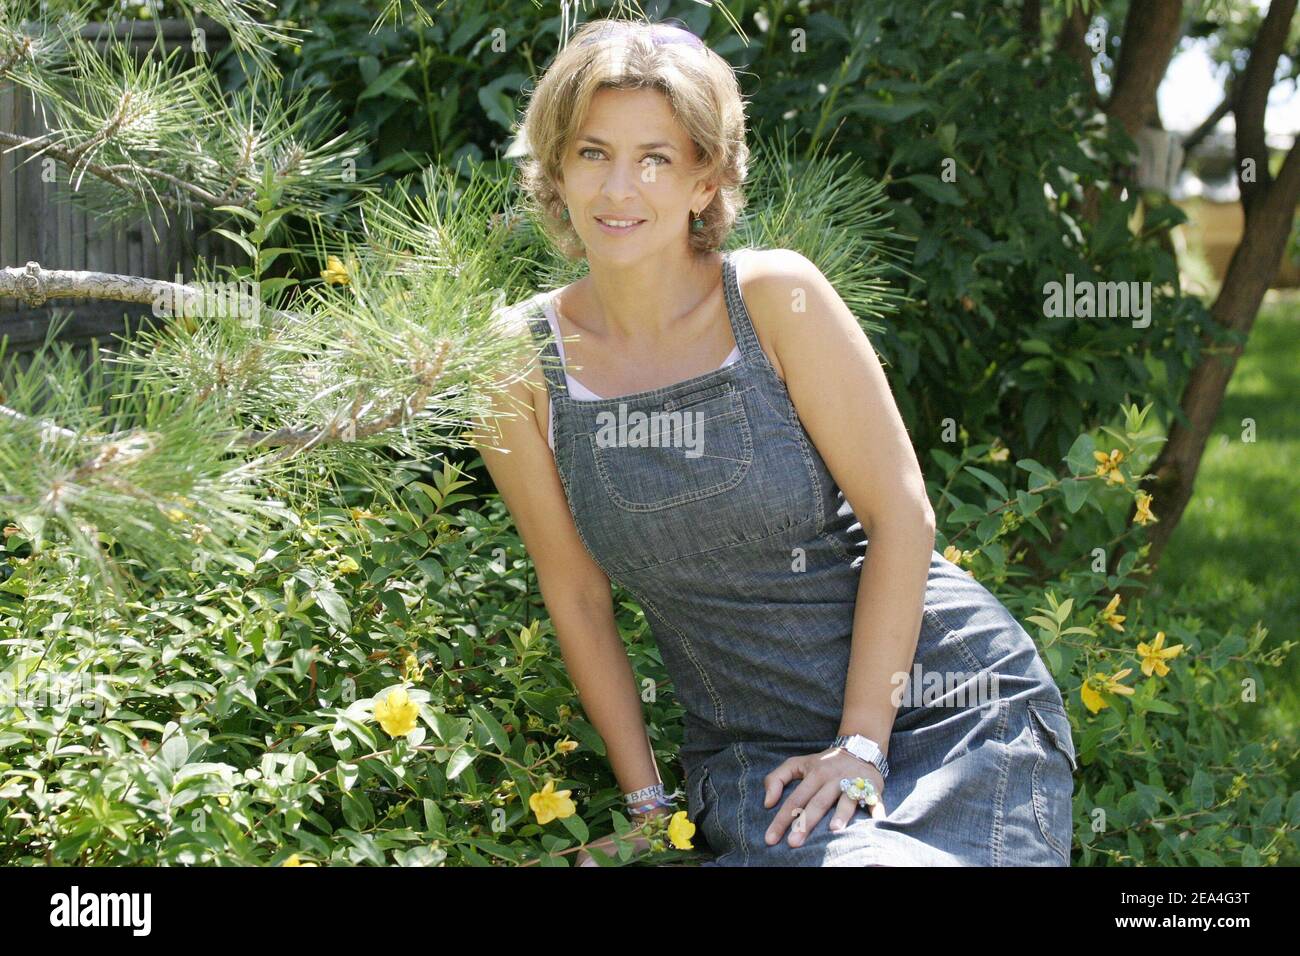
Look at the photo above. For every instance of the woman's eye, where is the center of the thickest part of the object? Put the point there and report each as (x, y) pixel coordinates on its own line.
(591, 149)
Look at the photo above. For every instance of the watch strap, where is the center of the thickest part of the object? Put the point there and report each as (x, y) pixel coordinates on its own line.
(865, 749)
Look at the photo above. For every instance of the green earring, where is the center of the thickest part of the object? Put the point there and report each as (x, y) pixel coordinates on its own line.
(697, 223)
(565, 215)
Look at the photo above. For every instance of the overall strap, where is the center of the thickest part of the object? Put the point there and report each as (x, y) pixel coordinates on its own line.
(552, 365)
(742, 327)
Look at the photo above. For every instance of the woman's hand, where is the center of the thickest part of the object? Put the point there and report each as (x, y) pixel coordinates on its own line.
(606, 845)
(821, 774)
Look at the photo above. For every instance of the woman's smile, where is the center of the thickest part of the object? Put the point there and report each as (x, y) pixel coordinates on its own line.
(618, 227)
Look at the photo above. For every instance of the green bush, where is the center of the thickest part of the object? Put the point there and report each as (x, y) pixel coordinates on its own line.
(234, 722)
(1170, 771)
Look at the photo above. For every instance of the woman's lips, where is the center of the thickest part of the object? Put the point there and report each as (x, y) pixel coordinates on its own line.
(617, 230)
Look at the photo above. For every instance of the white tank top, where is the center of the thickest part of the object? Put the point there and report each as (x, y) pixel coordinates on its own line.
(577, 390)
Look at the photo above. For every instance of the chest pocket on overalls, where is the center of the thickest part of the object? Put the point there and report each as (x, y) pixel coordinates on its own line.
(694, 445)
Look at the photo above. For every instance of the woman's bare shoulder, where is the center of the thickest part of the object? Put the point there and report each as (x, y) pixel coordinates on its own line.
(523, 378)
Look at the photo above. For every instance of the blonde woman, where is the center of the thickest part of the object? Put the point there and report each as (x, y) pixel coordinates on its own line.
(731, 441)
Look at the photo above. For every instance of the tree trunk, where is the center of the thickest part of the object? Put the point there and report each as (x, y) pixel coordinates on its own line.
(1031, 21)
(1151, 29)
(1070, 41)
(1269, 207)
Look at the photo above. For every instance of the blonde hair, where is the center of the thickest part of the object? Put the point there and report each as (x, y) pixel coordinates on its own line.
(629, 55)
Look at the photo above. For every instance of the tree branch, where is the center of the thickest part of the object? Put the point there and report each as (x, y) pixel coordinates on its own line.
(46, 428)
(1151, 30)
(1210, 122)
(350, 428)
(1252, 99)
(71, 158)
(35, 286)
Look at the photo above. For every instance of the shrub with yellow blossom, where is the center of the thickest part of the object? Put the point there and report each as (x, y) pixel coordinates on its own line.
(550, 804)
(396, 712)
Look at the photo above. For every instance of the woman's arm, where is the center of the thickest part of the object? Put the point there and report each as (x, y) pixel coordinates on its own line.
(576, 592)
(843, 400)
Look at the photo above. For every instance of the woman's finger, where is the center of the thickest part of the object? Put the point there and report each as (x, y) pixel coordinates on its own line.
(844, 811)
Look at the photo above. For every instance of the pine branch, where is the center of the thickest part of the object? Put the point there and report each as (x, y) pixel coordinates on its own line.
(34, 286)
(71, 157)
(47, 429)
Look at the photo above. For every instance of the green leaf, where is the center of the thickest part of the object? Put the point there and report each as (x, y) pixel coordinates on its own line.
(1160, 707)
(998, 487)
(461, 759)
(946, 136)
(987, 529)
(1202, 789)
(949, 463)
(434, 822)
(335, 608)
(1075, 493)
(239, 211)
(357, 810)
(1080, 458)
(935, 188)
(966, 513)
(385, 80)
(883, 111)
(239, 240)
(577, 826)
(499, 735)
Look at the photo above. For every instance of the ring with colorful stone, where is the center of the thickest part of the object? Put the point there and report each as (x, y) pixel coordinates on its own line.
(862, 790)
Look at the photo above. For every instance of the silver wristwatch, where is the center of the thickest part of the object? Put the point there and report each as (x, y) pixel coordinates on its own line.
(864, 749)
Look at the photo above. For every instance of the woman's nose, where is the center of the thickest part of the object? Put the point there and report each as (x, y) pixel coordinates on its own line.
(622, 180)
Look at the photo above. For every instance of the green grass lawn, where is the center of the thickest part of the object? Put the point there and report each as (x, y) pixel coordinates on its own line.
(1234, 557)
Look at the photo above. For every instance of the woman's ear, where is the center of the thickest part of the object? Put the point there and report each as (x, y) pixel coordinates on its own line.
(706, 198)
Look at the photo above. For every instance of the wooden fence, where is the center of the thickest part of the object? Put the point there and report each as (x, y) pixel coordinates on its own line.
(38, 224)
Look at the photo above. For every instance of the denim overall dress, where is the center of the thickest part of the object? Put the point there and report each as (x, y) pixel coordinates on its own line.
(745, 558)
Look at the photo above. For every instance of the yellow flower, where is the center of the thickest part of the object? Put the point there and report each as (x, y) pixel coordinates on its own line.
(1090, 691)
(551, 804)
(959, 557)
(335, 272)
(680, 831)
(1155, 654)
(294, 861)
(396, 713)
(175, 514)
(999, 453)
(1109, 466)
(348, 565)
(1110, 617)
(1144, 515)
(566, 746)
(412, 669)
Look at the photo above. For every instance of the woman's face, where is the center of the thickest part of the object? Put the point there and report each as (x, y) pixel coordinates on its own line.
(630, 160)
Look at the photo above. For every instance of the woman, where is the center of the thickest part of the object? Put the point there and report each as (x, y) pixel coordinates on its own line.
(705, 481)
